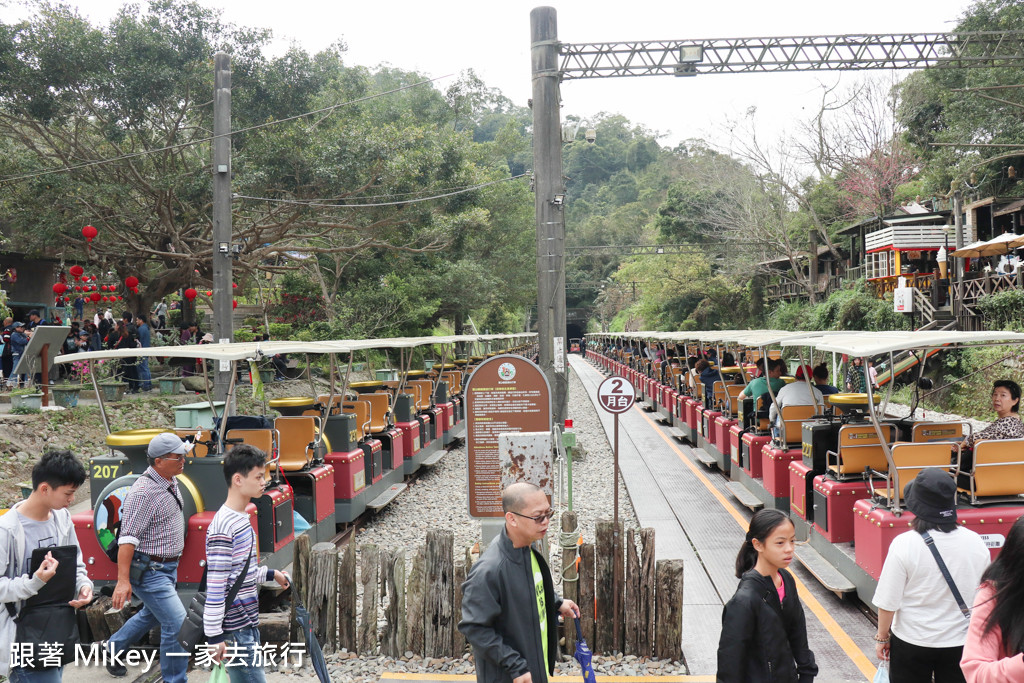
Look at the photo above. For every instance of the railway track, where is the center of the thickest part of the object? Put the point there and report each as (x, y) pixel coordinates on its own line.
(343, 536)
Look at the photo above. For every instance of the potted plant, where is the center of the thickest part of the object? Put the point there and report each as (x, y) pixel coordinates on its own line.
(66, 393)
(28, 398)
(171, 384)
(108, 378)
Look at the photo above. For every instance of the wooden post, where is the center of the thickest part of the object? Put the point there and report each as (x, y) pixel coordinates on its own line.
(458, 640)
(347, 599)
(368, 576)
(586, 593)
(94, 613)
(322, 592)
(570, 580)
(609, 555)
(633, 608)
(668, 642)
(392, 564)
(300, 569)
(647, 593)
(414, 605)
(437, 612)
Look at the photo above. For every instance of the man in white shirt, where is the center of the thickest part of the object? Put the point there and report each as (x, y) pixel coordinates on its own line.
(797, 393)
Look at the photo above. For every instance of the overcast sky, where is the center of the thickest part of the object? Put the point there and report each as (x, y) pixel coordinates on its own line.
(492, 37)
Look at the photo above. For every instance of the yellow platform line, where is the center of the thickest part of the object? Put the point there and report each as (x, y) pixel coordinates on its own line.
(841, 637)
(400, 676)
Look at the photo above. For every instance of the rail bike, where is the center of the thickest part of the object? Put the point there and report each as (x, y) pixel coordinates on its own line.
(838, 467)
(334, 454)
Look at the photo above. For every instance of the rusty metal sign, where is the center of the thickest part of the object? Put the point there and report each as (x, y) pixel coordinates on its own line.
(505, 393)
(526, 456)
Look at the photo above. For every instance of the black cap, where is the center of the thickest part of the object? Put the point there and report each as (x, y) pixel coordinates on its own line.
(932, 496)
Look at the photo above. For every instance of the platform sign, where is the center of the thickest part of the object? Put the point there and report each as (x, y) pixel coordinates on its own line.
(616, 395)
(505, 393)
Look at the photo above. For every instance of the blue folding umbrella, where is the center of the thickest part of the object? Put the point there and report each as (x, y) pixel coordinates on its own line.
(583, 655)
(313, 651)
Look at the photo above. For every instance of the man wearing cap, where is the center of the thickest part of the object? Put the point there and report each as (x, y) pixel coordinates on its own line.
(19, 340)
(798, 393)
(151, 539)
(921, 628)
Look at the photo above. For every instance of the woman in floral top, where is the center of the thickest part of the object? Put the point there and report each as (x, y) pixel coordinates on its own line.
(1006, 403)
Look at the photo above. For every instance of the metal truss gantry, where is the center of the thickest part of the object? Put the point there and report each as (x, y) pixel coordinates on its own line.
(791, 53)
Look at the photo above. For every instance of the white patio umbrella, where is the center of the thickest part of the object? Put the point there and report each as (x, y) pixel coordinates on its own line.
(998, 246)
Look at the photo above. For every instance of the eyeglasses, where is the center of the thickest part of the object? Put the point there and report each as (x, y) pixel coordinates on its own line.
(540, 519)
(178, 456)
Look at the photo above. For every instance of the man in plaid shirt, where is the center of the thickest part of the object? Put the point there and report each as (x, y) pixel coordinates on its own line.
(151, 540)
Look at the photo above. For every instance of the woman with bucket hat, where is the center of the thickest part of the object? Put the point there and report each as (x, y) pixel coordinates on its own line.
(928, 580)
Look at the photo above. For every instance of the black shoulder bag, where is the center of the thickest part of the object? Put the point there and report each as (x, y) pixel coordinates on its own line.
(46, 617)
(191, 632)
(930, 542)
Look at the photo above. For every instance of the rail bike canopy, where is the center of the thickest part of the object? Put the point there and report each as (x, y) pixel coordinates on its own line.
(869, 344)
(236, 351)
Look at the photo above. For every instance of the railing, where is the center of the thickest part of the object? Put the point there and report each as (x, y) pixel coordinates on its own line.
(967, 292)
(913, 236)
(923, 305)
(795, 290)
(885, 285)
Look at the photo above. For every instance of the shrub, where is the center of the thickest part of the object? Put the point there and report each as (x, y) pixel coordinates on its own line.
(1004, 310)
(244, 335)
(280, 331)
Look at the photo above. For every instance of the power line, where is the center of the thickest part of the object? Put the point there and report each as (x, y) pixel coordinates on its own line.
(316, 205)
(135, 155)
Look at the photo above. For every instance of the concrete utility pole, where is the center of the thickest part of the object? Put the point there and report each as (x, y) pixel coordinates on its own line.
(958, 222)
(222, 247)
(550, 203)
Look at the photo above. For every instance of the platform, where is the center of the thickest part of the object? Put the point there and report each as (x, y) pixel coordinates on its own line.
(696, 518)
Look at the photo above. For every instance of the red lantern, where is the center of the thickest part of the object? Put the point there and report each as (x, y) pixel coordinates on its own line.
(94, 297)
(78, 288)
(60, 288)
(76, 271)
(103, 298)
(209, 292)
(89, 233)
(191, 294)
(234, 304)
(234, 285)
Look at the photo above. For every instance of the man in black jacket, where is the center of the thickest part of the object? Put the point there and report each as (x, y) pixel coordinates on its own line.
(509, 605)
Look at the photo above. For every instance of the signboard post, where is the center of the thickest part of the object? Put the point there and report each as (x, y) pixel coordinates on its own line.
(46, 342)
(505, 393)
(616, 395)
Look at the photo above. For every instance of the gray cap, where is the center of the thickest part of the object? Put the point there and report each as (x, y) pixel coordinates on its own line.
(14, 325)
(165, 444)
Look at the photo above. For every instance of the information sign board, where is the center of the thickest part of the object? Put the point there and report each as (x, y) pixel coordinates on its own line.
(505, 393)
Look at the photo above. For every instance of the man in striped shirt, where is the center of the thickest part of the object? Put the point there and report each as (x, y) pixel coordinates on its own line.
(230, 545)
(150, 543)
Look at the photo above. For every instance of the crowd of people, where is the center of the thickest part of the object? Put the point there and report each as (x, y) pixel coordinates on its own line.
(102, 332)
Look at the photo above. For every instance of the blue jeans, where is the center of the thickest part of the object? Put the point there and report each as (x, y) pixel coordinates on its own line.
(246, 666)
(21, 675)
(144, 375)
(161, 605)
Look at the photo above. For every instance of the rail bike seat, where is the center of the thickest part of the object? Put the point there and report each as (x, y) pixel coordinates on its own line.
(380, 404)
(996, 473)
(426, 388)
(454, 379)
(938, 431)
(793, 418)
(859, 450)
(909, 459)
(298, 438)
(203, 440)
(267, 440)
(361, 409)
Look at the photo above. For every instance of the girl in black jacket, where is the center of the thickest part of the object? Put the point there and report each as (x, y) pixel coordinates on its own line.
(764, 635)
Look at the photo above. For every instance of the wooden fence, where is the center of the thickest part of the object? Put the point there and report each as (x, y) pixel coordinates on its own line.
(422, 606)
